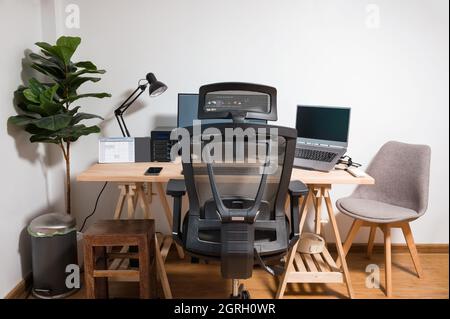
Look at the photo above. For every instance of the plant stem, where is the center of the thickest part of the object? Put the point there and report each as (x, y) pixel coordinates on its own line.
(68, 190)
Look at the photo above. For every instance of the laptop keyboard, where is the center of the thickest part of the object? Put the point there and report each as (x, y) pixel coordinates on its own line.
(315, 155)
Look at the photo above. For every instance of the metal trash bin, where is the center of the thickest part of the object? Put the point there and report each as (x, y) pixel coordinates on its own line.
(54, 246)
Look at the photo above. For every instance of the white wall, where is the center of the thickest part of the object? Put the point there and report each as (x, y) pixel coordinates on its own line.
(24, 189)
(394, 77)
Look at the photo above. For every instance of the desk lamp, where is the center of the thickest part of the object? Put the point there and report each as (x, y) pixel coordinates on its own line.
(155, 88)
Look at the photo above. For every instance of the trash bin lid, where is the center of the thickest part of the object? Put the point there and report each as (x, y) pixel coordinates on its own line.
(51, 224)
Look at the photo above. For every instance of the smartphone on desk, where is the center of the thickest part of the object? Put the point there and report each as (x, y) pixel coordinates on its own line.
(153, 171)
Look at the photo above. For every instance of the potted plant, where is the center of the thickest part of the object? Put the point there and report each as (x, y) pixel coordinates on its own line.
(49, 109)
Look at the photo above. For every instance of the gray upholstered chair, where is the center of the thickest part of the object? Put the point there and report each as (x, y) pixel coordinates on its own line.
(399, 196)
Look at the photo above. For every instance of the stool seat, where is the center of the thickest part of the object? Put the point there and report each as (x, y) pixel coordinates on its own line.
(118, 227)
(124, 233)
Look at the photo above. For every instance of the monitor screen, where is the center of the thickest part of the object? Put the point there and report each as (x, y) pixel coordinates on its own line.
(188, 112)
(323, 123)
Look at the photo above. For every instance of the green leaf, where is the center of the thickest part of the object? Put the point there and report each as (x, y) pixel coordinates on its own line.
(52, 108)
(44, 139)
(74, 110)
(30, 96)
(48, 102)
(54, 122)
(33, 129)
(47, 61)
(50, 50)
(72, 133)
(68, 42)
(77, 82)
(96, 95)
(85, 71)
(67, 47)
(36, 87)
(52, 72)
(19, 99)
(36, 109)
(49, 93)
(86, 65)
(84, 116)
(21, 120)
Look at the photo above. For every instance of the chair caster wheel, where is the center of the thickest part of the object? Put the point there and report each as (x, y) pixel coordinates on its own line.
(245, 294)
(242, 293)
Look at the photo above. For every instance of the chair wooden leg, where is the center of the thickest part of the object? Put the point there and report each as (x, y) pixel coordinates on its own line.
(144, 270)
(89, 265)
(412, 248)
(388, 260)
(349, 240)
(373, 231)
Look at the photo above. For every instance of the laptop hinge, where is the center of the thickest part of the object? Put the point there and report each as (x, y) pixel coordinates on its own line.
(318, 144)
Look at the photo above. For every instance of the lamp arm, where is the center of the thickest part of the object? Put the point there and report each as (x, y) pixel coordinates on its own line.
(122, 125)
(127, 105)
(124, 106)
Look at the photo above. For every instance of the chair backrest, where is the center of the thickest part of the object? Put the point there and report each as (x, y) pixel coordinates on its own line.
(401, 172)
(241, 176)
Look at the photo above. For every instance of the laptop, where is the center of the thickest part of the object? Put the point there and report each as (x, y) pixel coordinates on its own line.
(322, 136)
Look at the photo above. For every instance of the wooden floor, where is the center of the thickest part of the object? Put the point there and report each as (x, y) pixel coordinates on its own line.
(203, 280)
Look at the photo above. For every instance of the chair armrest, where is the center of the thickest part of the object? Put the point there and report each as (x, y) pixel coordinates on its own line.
(176, 188)
(296, 189)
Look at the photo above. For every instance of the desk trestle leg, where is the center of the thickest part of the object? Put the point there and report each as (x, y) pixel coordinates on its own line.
(316, 268)
(134, 194)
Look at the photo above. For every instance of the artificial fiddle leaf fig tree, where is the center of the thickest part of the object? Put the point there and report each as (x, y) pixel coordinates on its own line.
(49, 110)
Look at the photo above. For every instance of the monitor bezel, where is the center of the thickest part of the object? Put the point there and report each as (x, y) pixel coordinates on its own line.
(320, 141)
(178, 105)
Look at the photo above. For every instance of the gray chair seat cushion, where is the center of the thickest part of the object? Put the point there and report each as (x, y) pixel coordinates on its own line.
(374, 211)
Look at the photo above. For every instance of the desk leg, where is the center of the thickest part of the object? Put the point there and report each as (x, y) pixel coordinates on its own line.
(142, 198)
(289, 266)
(169, 215)
(317, 193)
(135, 194)
(143, 201)
(317, 200)
(337, 236)
(127, 192)
(120, 201)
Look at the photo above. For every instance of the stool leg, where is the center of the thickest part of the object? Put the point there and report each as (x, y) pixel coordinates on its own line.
(89, 262)
(101, 284)
(144, 269)
(153, 267)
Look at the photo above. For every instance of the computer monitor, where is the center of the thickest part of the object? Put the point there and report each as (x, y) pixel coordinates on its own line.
(188, 112)
(323, 125)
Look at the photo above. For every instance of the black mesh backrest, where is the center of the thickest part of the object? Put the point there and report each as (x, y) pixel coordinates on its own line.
(238, 165)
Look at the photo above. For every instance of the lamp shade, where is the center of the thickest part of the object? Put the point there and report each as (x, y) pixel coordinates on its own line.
(156, 87)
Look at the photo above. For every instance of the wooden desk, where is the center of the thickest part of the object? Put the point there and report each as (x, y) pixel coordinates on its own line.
(299, 268)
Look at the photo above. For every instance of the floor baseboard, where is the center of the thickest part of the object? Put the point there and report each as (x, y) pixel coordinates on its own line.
(21, 289)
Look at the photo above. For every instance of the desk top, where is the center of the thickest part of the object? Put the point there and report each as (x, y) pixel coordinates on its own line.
(134, 172)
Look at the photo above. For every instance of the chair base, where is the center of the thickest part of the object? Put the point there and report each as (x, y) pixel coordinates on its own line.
(238, 290)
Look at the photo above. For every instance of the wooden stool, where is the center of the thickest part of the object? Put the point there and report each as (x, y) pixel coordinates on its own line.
(108, 233)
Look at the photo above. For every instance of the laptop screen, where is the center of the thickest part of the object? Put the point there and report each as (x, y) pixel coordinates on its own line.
(321, 124)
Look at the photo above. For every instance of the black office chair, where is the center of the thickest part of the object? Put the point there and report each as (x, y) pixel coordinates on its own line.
(237, 187)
